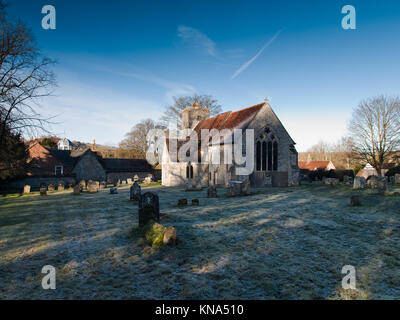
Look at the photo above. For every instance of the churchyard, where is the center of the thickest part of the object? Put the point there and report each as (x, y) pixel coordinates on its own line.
(277, 243)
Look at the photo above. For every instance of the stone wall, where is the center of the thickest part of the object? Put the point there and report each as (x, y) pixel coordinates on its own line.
(112, 176)
(35, 183)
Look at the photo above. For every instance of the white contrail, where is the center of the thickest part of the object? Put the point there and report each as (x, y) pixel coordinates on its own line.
(246, 64)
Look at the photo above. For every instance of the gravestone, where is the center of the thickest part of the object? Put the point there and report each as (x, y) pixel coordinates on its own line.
(169, 236)
(397, 178)
(331, 181)
(136, 178)
(43, 190)
(148, 179)
(182, 202)
(50, 187)
(195, 202)
(88, 184)
(60, 186)
(135, 192)
(117, 182)
(149, 208)
(27, 189)
(102, 185)
(70, 186)
(93, 187)
(123, 182)
(129, 181)
(77, 189)
(198, 186)
(347, 180)
(82, 183)
(211, 192)
(359, 183)
(113, 190)
(373, 182)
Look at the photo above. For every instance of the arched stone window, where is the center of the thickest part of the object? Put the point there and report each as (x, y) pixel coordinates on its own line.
(258, 156)
(267, 151)
(189, 171)
(264, 156)
(275, 156)
(269, 155)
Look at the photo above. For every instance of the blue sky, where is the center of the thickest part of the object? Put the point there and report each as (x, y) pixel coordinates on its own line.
(122, 61)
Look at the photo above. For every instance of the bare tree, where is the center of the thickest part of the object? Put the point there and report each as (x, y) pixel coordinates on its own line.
(24, 78)
(375, 129)
(135, 144)
(173, 112)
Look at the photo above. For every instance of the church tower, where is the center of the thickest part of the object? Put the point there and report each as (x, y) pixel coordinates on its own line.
(194, 114)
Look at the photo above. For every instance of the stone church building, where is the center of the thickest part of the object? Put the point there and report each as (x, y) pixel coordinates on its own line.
(275, 156)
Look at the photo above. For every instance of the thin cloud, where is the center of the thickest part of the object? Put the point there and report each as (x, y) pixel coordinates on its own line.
(197, 39)
(246, 64)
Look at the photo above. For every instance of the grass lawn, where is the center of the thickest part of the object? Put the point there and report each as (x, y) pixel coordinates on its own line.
(279, 243)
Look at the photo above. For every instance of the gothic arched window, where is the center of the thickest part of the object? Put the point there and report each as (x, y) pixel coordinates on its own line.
(189, 171)
(269, 156)
(275, 156)
(264, 156)
(258, 156)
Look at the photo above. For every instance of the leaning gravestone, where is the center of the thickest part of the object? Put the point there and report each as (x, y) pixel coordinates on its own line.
(211, 192)
(149, 208)
(135, 192)
(27, 189)
(397, 178)
(50, 187)
(359, 183)
(77, 189)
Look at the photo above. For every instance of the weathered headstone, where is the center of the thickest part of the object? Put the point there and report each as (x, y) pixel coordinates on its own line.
(113, 190)
(373, 182)
(149, 208)
(195, 202)
(355, 201)
(88, 184)
(77, 189)
(43, 190)
(148, 179)
(136, 177)
(117, 182)
(397, 178)
(169, 236)
(60, 186)
(82, 183)
(211, 192)
(93, 187)
(135, 192)
(129, 181)
(359, 183)
(347, 180)
(123, 182)
(50, 187)
(331, 181)
(102, 185)
(27, 188)
(182, 202)
(234, 189)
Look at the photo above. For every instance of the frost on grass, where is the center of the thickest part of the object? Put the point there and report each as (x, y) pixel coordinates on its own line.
(279, 243)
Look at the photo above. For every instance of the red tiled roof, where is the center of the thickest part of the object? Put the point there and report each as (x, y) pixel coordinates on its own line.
(230, 120)
(312, 165)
